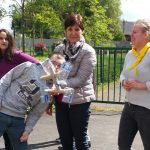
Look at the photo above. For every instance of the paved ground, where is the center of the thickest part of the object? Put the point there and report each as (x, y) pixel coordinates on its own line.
(103, 128)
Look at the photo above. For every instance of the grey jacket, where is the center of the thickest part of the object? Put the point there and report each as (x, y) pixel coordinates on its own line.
(20, 89)
(81, 75)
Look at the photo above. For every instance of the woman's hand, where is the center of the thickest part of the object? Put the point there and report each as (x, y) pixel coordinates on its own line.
(49, 109)
(137, 85)
(126, 85)
(24, 136)
(134, 84)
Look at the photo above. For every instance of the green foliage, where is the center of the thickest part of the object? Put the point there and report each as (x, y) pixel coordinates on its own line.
(113, 12)
(96, 25)
(118, 36)
(44, 18)
(2, 12)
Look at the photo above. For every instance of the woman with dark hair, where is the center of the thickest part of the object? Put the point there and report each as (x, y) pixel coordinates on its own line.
(9, 58)
(72, 117)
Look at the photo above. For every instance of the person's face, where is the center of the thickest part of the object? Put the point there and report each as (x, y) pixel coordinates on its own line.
(138, 36)
(73, 33)
(57, 60)
(3, 41)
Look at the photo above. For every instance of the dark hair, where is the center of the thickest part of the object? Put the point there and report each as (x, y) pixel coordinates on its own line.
(72, 20)
(57, 53)
(9, 52)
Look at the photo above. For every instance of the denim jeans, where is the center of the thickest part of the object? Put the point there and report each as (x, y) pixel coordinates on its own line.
(7, 142)
(14, 127)
(72, 121)
(133, 119)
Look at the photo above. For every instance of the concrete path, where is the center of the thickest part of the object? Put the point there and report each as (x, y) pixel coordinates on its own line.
(103, 128)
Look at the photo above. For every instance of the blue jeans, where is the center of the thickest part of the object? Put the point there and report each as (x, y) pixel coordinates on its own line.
(133, 119)
(14, 127)
(7, 142)
(72, 121)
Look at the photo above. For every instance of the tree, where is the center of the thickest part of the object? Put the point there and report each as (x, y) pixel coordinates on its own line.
(40, 19)
(96, 22)
(2, 12)
(113, 12)
(19, 10)
(46, 17)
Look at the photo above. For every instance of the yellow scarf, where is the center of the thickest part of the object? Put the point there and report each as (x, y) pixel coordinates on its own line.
(139, 56)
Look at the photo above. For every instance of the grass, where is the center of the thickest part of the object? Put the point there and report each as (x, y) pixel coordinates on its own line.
(109, 67)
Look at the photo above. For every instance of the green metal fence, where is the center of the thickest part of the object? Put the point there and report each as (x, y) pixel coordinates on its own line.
(109, 66)
(110, 62)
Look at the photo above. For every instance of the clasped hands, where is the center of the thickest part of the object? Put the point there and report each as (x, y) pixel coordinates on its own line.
(133, 84)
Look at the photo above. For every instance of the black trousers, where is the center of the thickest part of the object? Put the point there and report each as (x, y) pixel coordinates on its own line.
(72, 122)
(133, 119)
(7, 142)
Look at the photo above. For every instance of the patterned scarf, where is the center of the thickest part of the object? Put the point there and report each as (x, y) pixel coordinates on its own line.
(71, 51)
(139, 56)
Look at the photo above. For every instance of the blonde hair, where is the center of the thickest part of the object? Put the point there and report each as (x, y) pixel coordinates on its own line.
(145, 25)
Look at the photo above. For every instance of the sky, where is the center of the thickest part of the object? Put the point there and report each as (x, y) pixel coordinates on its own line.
(131, 11)
(5, 22)
(135, 9)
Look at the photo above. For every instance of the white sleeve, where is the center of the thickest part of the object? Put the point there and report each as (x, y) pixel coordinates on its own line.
(148, 85)
(122, 75)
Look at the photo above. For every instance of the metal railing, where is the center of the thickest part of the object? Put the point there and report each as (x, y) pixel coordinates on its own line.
(109, 66)
(110, 62)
